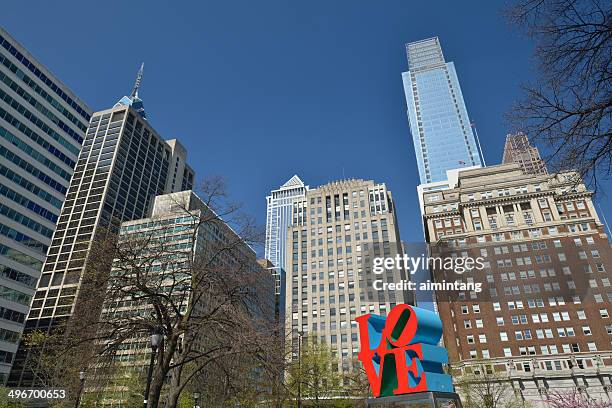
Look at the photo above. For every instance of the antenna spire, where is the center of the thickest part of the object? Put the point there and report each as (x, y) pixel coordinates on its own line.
(134, 93)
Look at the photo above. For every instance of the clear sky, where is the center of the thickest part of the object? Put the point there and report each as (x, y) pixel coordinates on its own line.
(260, 90)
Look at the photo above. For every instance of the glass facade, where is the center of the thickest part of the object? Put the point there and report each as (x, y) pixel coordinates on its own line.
(441, 130)
(42, 125)
(278, 219)
(123, 164)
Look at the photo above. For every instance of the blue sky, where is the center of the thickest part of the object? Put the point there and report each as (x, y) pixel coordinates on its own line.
(260, 90)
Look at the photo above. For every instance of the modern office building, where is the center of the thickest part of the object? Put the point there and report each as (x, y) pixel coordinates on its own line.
(279, 216)
(542, 320)
(122, 166)
(182, 228)
(42, 126)
(441, 129)
(337, 231)
(519, 150)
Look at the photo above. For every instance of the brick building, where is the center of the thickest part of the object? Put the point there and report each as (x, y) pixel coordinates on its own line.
(542, 318)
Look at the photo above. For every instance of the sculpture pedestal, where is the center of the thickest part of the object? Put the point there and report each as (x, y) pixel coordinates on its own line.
(428, 399)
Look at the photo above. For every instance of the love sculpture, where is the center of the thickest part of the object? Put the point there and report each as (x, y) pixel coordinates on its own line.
(400, 352)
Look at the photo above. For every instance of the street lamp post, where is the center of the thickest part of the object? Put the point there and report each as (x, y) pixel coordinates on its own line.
(81, 384)
(196, 398)
(299, 390)
(156, 339)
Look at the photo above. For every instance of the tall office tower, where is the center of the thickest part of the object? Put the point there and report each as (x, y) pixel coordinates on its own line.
(122, 166)
(183, 228)
(519, 150)
(337, 231)
(441, 129)
(279, 217)
(42, 125)
(542, 320)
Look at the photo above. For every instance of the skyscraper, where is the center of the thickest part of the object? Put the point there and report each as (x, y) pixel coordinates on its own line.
(337, 230)
(122, 166)
(542, 317)
(441, 129)
(42, 125)
(519, 150)
(279, 217)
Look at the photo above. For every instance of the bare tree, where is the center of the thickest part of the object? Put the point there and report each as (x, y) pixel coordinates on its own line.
(568, 108)
(196, 281)
(189, 274)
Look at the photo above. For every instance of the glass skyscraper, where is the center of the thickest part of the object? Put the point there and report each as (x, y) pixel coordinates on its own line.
(278, 219)
(441, 131)
(42, 126)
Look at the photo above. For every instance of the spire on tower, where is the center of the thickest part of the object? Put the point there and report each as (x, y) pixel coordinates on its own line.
(133, 100)
(134, 93)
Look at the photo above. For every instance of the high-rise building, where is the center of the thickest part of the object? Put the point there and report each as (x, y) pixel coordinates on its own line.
(42, 126)
(183, 228)
(279, 217)
(542, 317)
(122, 166)
(519, 150)
(337, 231)
(441, 129)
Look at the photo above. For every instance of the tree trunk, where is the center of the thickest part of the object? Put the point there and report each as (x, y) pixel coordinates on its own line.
(156, 387)
(175, 386)
(166, 351)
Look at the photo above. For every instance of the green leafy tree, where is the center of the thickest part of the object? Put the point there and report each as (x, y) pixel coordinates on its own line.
(313, 375)
(487, 389)
(6, 401)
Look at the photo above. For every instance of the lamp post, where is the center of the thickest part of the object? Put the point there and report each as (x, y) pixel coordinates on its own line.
(299, 390)
(156, 339)
(81, 384)
(196, 398)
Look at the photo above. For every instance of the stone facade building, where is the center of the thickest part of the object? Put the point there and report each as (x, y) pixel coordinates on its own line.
(542, 320)
(336, 231)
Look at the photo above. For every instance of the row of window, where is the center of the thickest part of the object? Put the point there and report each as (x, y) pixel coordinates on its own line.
(15, 295)
(41, 125)
(544, 273)
(25, 221)
(20, 257)
(36, 88)
(35, 154)
(23, 239)
(28, 167)
(9, 336)
(27, 203)
(11, 315)
(44, 111)
(160, 223)
(29, 65)
(519, 235)
(540, 334)
(535, 318)
(549, 349)
(41, 141)
(23, 278)
(505, 192)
